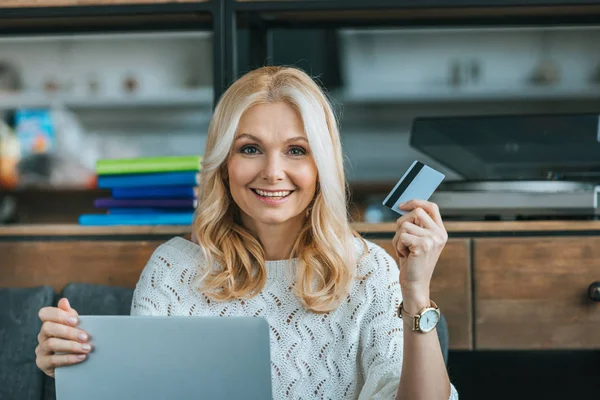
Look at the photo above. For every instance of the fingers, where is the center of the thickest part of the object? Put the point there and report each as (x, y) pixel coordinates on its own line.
(401, 250)
(56, 345)
(407, 227)
(52, 329)
(49, 363)
(431, 209)
(413, 229)
(59, 315)
(417, 245)
(55, 352)
(418, 223)
(64, 304)
(59, 335)
(423, 219)
(60, 322)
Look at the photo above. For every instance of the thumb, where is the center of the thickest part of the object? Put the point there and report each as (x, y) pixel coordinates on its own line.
(64, 304)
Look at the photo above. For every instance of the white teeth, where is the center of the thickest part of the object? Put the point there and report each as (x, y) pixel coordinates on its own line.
(272, 194)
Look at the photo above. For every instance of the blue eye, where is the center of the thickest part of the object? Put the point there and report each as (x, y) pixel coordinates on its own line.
(249, 150)
(297, 151)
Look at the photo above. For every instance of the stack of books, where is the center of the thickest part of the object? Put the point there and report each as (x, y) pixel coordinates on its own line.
(147, 191)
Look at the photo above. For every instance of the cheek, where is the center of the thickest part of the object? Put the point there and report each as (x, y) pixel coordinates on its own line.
(305, 177)
(239, 173)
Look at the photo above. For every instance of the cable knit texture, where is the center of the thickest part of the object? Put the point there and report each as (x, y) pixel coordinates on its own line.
(352, 352)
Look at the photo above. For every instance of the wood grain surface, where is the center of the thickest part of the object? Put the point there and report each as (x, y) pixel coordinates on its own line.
(458, 227)
(78, 230)
(492, 226)
(56, 263)
(451, 290)
(531, 293)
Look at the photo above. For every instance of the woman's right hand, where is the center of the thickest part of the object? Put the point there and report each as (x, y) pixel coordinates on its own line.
(60, 335)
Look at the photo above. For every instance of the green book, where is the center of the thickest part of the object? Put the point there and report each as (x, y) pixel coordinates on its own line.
(148, 165)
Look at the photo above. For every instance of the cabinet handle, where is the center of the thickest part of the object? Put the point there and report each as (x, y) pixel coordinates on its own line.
(594, 291)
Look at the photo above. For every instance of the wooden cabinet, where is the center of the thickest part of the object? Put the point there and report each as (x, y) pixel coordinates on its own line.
(531, 293)
(119, 263)
(497, 293)
(56, 263)
(451, 289)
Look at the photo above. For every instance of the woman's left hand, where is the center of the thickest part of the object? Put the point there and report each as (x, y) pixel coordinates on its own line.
(419, 240)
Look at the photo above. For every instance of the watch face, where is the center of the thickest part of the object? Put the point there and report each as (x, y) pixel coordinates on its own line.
(428, 320)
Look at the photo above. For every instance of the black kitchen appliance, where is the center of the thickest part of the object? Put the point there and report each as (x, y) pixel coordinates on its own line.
(515, 166)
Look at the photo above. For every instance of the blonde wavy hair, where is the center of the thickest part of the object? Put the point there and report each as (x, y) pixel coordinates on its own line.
(324, 247)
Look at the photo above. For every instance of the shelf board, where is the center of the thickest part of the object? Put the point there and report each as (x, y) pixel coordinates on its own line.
(78, 230)
(87, 16)
(488, 94)
(70, 3)
(391, 4)
(17, 231)
(201, 98)
(102, 36)
(355, 13)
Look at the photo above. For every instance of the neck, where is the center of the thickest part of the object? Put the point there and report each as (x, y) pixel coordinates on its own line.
(277, 240)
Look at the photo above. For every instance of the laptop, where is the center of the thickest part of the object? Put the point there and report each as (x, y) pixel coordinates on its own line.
(145, 357)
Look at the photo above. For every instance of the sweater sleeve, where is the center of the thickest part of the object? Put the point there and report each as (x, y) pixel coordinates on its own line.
(151, 295)
(382, 332)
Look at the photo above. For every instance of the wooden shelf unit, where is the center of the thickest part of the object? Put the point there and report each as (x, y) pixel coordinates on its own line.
(497, 291)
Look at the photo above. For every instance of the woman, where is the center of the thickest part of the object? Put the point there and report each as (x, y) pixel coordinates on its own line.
(271, 238)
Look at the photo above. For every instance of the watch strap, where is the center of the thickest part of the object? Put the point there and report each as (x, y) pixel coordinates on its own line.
(415, 318)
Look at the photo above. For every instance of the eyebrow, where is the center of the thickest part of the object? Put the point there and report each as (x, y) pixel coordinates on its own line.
(256, 139)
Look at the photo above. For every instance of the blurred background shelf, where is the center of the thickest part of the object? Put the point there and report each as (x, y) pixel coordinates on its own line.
(198, 99)
(71, 3)
(203, 99)
(74, 16)
(449, 13)
(449, 94)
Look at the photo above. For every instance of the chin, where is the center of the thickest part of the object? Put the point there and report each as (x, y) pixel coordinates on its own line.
(274, 219)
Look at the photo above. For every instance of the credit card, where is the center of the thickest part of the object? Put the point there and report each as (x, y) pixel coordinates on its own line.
(418, 183)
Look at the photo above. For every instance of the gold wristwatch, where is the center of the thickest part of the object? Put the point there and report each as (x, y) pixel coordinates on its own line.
(426, 320)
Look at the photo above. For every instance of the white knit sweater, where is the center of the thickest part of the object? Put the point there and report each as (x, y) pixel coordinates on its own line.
(352, 352)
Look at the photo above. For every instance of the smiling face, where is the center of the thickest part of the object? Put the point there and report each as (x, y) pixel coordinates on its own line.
(272, 175)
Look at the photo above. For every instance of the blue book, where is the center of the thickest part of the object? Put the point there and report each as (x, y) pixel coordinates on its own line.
(155, 192)
(186, 178)
(146, 210)
(136, 219)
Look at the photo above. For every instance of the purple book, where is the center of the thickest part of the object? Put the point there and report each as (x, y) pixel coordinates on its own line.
(155, 203)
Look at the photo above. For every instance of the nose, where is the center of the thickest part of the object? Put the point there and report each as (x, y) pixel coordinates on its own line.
(274, 169)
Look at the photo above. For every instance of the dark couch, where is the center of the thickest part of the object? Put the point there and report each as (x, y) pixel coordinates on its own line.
(20, 379)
